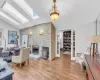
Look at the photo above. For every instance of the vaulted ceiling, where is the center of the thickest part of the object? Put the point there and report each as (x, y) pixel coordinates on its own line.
(72, 12)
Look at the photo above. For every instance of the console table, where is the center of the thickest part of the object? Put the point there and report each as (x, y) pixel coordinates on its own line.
(92, 68)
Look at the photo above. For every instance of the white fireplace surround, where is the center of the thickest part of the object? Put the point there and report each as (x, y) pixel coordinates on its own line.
(45, 52)
(39, 55)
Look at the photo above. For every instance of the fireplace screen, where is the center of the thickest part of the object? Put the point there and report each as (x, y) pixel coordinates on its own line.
(35, 49)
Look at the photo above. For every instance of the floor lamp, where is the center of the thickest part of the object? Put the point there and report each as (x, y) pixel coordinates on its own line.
(16, 40)
(94, 44)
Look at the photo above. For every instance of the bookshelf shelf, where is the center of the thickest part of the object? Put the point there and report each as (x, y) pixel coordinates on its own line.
(67, 40)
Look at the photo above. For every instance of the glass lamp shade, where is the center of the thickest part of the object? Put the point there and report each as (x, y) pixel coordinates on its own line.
(41, 32)
(54, 16)
(30, 33)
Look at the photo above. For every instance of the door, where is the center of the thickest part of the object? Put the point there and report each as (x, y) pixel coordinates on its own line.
(58, 45)
(24, 40)
(72, 45)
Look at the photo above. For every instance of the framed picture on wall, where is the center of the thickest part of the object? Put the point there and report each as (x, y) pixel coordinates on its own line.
(11, 37)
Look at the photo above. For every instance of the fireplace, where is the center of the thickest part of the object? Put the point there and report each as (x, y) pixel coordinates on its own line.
(35, 49)
(45, 52)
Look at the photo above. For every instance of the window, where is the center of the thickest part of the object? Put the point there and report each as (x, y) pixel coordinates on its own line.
(26, 8)
(13, 12)
(7, 17)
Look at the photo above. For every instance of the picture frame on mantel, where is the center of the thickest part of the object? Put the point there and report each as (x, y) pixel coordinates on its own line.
(11, 37)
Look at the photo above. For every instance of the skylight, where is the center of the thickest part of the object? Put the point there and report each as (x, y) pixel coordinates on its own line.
(26, 8)
(13, 12)
(7, 17)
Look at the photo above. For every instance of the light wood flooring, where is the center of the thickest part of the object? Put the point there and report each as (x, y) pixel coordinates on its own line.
(59, 69)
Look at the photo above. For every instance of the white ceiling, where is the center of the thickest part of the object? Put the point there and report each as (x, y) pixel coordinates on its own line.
(72, 12)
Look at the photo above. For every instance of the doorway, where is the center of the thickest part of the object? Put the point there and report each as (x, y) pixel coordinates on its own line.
(66, 43)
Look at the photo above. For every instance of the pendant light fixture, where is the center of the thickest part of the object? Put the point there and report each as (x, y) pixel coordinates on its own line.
(54, 13)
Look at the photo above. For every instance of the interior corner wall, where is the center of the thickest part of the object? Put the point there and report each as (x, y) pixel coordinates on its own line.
(7, 27)
(98, 33)
(53, 41)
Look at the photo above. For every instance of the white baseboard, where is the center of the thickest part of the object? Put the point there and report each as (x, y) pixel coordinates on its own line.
(73, 59)
(57, 55)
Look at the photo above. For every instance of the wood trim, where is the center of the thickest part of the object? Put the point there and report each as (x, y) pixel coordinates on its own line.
(92, 68)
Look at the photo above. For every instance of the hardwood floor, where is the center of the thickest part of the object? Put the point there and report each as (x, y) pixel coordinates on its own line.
(59, 69)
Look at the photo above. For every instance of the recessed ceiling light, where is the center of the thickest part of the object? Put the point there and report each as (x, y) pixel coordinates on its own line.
(13, 12)
(26, 8)
(7, 17)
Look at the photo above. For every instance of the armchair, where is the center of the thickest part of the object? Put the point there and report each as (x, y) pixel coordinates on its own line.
(23, 56)
(80, 58)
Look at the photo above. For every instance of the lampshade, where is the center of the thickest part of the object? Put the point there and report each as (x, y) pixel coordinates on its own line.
(41, 32)
(94, 39)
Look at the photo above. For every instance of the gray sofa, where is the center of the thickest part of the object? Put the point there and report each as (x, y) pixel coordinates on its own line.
(7, 55)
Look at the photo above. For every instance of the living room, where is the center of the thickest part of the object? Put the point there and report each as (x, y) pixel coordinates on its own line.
(34, 35)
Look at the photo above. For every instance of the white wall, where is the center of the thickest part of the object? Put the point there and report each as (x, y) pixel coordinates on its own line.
(82, 33)
(5, 26)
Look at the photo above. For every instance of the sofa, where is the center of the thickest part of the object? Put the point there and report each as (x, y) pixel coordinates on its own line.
(80, 58)
(5, 72)
(1, 50)
(7, 54)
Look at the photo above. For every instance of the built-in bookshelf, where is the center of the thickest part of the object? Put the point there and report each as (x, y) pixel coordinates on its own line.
(67, 40)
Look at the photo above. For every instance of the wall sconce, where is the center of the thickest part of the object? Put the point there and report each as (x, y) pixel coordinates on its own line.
(41, 32)
(30, 33)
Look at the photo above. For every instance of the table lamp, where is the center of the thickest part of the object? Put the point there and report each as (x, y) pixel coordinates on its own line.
(94, 46)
